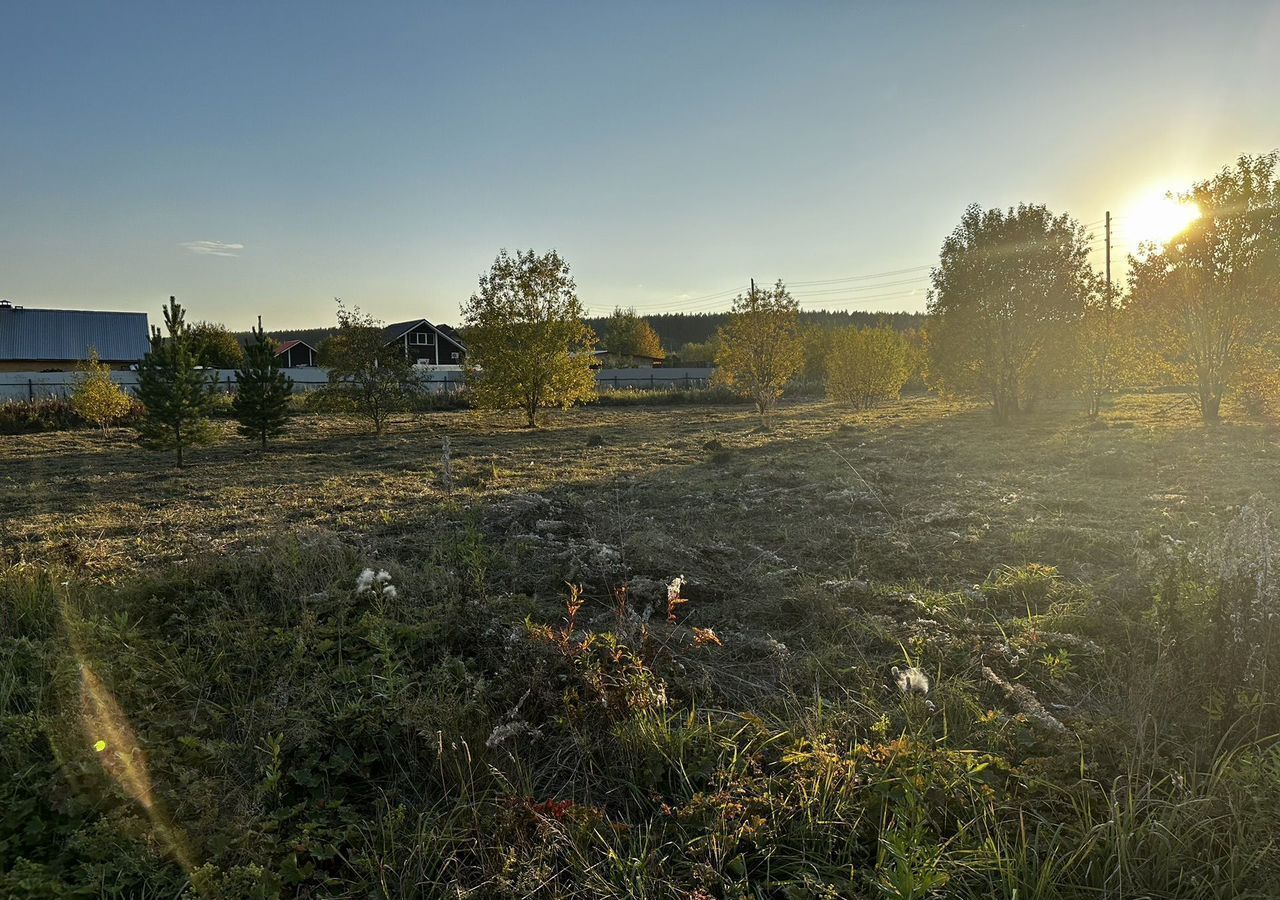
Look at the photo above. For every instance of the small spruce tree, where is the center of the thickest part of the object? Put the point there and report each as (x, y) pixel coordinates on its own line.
(96, 398)
(261, 403)
(177, 395)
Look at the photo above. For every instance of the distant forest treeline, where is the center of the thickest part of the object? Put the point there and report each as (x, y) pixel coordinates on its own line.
(678, 329)
(675, 329)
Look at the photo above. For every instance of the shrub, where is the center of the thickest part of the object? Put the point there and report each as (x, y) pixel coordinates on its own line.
(866, 366)
(714, 395)
(30, 417)
(97, 399)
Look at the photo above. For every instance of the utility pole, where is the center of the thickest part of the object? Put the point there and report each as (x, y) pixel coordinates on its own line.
(753, 288)
(1103, 375)
(1108, 226)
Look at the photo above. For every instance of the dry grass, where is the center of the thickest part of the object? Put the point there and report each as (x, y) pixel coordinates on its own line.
(923, 489)
(1001, 562)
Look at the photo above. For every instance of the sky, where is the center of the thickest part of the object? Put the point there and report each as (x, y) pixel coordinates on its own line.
(265, 158)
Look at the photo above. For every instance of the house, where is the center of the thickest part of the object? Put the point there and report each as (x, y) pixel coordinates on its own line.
(55, 340)
(296, 355)
(432, 345)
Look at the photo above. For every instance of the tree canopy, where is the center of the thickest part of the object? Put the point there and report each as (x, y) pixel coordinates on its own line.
(867, 365)
(761, 348)
(1008, 292)
(176, 394)
(261, 403)
(528, 346)
(96, 397)
(215, 347)
(370, 378)
(627, 335)
(1208, 300)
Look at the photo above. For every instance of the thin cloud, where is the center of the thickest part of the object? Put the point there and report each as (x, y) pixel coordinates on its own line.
(213, 248)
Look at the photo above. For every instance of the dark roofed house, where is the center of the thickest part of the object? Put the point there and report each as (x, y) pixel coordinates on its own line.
(296, 355)
(435, 345)
(56, 339)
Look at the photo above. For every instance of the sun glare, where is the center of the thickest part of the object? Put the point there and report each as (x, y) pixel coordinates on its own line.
(1157, 217)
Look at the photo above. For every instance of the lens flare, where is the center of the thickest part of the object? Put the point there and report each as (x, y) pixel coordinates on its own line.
(1158, 217)
(117, 749)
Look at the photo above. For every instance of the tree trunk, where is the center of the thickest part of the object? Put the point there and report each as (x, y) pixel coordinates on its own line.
(1210, 407)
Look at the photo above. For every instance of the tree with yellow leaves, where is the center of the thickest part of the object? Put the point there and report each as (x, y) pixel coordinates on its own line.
(868, 365)
(761, 349)
(527, 345)
(96, 398)
(1208, 300)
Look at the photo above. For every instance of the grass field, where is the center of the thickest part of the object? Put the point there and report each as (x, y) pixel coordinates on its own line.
(197, 696)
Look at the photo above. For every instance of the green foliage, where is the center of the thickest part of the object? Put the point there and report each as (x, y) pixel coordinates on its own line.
(1104, 345)
(1207, 303)
(456, 729)
(865, 367)
(528, 347)
(366, 375)
(627, 335)
(261, 403)
(1007, 297)
(695, 353)
(760, 346)
(176, 394)
(96, 398)
(215, 347)
(678, 329)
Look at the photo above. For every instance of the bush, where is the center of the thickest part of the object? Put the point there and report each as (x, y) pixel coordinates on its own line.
(97, 399)
(712, 396)
(30, 417)
(866, 366)
(54, 414)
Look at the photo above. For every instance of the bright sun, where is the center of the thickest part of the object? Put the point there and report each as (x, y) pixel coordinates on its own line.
(1156, 217)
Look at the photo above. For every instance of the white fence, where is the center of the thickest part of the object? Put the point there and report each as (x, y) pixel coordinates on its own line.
(442, 379)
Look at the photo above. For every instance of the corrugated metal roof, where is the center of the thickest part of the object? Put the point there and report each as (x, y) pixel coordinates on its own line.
(67, 334)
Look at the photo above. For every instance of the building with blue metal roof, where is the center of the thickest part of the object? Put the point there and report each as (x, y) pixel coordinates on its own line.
(41, 340)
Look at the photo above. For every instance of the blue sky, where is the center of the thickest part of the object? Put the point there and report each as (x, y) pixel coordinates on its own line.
(263, 158)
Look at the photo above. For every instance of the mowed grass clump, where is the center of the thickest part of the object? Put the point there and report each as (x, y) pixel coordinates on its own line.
(637, 670)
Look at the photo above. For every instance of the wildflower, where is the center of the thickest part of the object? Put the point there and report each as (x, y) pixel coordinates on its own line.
(365, 581)
(382, 577)
(674, 600)
(505, 732)
(911, 680)
(389, 592)
(703, 636)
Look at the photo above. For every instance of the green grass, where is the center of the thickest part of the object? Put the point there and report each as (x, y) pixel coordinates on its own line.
(268, 730)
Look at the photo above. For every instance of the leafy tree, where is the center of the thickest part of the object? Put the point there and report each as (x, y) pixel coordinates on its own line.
(176, 394)
(370, 377)
(96, 398)
(1008, 293)
(867, 365)
(528, 347)
(696, 353)
(215, 347)
(1103, 348)
(261, 403)
(817, 341)
(760, 346)
(1208, 300)
(628, 335)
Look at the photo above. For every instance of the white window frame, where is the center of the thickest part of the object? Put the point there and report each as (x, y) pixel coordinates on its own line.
(423, 339)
